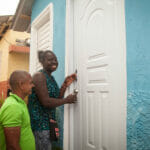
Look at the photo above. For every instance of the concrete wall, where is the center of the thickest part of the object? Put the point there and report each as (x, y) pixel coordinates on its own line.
(18, 61)
(138, 74)
(11, 61)
(4, 48)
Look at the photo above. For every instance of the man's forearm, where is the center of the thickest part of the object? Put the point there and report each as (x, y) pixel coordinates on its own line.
(13, 147)
(12, 138)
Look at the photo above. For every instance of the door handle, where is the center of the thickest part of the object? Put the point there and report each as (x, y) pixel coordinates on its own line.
(75, 91)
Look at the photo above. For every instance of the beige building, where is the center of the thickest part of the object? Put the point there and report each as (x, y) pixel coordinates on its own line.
(14, 51)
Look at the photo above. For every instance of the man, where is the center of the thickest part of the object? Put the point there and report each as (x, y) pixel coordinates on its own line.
(15, 129)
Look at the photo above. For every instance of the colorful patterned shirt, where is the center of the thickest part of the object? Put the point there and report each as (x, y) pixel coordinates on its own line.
(39, 114)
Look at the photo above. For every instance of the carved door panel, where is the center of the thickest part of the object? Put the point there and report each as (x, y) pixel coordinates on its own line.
(100, 115)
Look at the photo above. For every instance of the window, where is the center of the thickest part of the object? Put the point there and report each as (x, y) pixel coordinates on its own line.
(41, 36)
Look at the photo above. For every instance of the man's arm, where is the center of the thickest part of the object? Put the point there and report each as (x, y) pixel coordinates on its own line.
(12, 137)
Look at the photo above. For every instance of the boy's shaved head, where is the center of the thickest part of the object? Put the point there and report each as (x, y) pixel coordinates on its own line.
(17, 77)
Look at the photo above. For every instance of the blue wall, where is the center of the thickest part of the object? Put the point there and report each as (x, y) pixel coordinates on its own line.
(138, 74)
(59, 8)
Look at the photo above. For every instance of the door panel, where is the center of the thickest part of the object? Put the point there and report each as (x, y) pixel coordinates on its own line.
(98, 124)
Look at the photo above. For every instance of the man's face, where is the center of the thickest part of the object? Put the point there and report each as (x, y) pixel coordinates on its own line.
(27, 86)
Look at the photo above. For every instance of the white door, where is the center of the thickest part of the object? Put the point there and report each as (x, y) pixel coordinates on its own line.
(99, 117)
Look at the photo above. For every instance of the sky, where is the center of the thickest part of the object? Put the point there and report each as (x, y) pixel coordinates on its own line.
(8, 7)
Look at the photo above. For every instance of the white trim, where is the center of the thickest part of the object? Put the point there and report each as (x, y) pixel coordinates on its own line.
(68, 121)
(43, 15)
(121, 36)
(46, 14)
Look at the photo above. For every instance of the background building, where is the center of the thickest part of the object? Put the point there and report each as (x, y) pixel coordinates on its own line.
(14, 51)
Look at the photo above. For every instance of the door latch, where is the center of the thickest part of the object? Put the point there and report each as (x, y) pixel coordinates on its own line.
(76, 91)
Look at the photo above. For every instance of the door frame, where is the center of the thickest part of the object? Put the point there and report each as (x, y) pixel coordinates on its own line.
(68, 130)
(69, 67)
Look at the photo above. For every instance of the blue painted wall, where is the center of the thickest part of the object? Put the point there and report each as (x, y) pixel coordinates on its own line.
(59, 8)
(138, 74)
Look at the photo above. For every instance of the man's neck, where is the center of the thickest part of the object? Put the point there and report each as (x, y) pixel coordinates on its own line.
(19, 94)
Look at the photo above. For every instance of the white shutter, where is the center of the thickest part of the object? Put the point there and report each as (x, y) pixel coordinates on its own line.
(44, 40)
(44, 37)
(41, 36)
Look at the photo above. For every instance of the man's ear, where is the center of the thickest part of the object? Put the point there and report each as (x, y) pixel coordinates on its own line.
(20, 85)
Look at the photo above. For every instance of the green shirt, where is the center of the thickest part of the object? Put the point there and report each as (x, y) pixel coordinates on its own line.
(14, 113)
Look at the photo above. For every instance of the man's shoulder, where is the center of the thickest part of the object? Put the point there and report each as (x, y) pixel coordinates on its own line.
(9, 104)
(10, 101)
(10, 111)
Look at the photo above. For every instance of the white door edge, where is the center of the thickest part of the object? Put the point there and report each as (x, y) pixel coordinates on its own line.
(68, 56)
